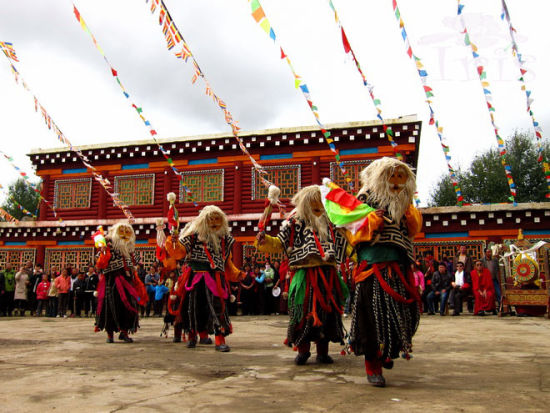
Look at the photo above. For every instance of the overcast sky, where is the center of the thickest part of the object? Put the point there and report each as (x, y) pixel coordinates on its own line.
(71, 80)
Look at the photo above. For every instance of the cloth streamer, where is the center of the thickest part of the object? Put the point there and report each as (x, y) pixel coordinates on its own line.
(259, 15)
(172, 34)
(482, 74)
(528, 99)
(428, 91)
(138, 109)
(95, 173)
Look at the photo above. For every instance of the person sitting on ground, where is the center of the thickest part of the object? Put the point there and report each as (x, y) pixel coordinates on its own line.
(461, 288)
(483, 289)
(441, 284)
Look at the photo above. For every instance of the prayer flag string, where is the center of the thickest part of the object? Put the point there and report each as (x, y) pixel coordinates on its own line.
(97, 176)
(260, 17)
(370, 87)
(8, 217)
(18, 205)
(27, 182)
(138, 109)
(528, 99)
(482, 74)
(428, 91)
(174, 37)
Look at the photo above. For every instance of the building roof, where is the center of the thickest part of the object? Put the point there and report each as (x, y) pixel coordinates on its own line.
(242, 134)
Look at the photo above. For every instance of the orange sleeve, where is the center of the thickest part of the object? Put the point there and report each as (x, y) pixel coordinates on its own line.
(232, 273)
(366, 232)
(175, 249)
(103, 260)
(414, 220)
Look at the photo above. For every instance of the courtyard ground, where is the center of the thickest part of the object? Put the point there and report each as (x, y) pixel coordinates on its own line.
(460, 363)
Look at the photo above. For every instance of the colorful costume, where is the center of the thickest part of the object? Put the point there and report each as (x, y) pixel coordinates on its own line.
(484, 291)
(316, 294)
(385, 312)
(203, 289)
(119, 291)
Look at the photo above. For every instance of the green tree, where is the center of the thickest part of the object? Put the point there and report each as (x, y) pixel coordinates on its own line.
(485, 181)
(22, 194)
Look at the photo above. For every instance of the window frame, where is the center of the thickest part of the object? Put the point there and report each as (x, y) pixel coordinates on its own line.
(136, 176)
(203, 173)
(297, 167)
(57, 182)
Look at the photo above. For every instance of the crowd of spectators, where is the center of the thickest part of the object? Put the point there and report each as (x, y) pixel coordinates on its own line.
(69, 292)
(31, 290)
(447, 284)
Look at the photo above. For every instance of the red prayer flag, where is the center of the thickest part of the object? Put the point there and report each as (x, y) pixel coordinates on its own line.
(283, 55)
(76, 13)
(114, 72)
(347, 47)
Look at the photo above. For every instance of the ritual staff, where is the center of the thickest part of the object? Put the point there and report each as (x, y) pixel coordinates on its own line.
(317, 294)
(203, 289)
(483, 289)
(120, 290)
(385, 312)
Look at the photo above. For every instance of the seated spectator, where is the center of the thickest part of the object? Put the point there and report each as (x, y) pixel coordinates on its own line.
(441, 284)
(483, 289)
(461, 288)
(418, 278)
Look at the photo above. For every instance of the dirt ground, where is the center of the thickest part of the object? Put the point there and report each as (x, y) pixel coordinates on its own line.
(460, 363)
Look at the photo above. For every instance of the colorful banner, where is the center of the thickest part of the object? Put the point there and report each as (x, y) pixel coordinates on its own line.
(184, 53)
(428, 91)
(97, 176)
(482, 74)
(138, 109)
(9, 51)
(377, 103)
(528, 98)
(31, 185)
(259, 15)
(7, 217)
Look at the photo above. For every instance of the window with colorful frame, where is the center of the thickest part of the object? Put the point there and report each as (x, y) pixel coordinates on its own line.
(250, 251)
(17, 257)
(353, 168)
(72, 193)
(287, 177)
(205, 186)
(136, 189)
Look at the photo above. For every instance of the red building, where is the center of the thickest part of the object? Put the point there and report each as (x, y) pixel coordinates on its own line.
(217, 172)
(214, 169)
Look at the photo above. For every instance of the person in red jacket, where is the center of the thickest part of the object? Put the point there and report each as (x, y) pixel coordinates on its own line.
(42, 294)
(483, 289)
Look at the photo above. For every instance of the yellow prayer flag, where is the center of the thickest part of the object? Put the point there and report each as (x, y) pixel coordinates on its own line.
(265, 25)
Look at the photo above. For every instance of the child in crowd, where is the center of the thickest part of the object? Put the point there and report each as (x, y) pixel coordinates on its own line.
(160, 291)
(52, 297)
(42, 290)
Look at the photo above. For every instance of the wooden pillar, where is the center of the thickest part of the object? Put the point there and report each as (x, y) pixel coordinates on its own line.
(40, 255)
(315, 171)
(238, 254)
(102, 202)
(43, 208)
(167, 187)
(237, 191)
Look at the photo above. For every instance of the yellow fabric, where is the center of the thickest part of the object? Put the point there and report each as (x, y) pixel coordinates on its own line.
(272, 245)
(414, 220)
(178, 253)
(232, 273)
(367, 231)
